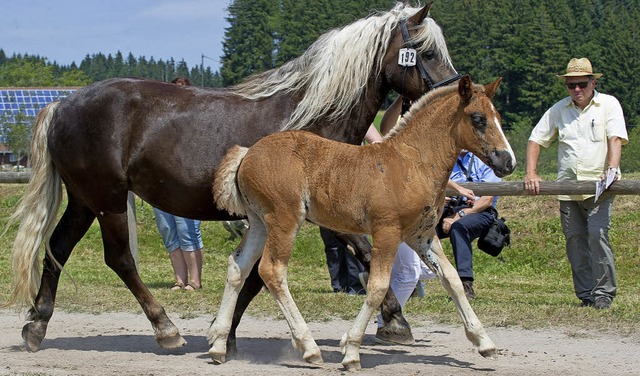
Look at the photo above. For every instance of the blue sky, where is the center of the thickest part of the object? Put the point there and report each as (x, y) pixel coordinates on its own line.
(66, 31)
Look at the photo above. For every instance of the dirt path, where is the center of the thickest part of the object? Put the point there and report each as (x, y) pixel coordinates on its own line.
(122, 344)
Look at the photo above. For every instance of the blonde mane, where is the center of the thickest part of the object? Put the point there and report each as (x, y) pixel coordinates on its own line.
(334, 71)
(424, 101)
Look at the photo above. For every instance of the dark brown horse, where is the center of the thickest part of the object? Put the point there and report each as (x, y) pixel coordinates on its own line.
(289, 177)
(164, 143)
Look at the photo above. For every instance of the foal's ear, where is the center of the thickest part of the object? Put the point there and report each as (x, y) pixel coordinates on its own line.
(490, 89)
(464, 88)
(417, 18)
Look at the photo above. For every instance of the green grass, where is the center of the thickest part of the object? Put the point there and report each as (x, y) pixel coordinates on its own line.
(531, 288)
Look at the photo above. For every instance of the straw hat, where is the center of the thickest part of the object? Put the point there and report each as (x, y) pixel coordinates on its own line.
(580, 67)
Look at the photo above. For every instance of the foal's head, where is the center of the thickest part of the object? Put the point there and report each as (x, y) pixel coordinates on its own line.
(480, 130)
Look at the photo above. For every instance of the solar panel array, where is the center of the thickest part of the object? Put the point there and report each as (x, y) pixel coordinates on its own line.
(23, 104)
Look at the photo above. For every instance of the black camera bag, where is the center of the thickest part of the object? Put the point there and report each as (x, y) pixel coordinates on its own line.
(496, 237)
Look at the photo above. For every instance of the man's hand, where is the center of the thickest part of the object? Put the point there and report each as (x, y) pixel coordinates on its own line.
(532, 183)
(448, 222)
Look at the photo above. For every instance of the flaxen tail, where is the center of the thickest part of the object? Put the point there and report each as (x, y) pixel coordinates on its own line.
(225, 187)
(36, 213)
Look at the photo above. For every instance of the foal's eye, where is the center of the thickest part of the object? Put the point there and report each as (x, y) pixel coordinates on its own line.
(479, 121)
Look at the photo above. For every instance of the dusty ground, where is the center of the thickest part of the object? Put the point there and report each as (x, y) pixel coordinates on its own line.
(123, 344)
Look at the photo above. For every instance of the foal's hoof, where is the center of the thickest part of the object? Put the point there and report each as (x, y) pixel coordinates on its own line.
(33, 334)
(315, 359)
(352, 366)
(171, 342)
(490, 352)
(217, 358)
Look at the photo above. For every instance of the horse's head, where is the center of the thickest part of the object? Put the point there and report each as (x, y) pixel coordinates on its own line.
(480, 130)
(417, 59)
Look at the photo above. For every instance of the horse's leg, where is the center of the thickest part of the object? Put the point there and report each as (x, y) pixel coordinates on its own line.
(251, 287)
(239, 265)
(432, 254)
(74, 223)
(273, 270)
(115, 236)
(395, 326)
(384, 252)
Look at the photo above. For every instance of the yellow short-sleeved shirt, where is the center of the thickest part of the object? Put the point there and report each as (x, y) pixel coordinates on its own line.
(582, 137)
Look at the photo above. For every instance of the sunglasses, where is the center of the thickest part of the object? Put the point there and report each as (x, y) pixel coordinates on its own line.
(572, 85)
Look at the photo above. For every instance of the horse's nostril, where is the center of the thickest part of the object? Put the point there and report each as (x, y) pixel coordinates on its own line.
(510, 164)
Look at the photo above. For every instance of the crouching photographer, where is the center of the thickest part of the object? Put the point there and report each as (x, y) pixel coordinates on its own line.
(463, 219)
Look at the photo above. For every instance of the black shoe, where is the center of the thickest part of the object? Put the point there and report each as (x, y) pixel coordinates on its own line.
(602, 302)
(468, 289)
(586, 303)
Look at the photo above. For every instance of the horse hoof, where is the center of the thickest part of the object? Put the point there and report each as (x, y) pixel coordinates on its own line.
(394, 336)
(172, 342)
(315, 359)
(217, 358)
(32, 341)
(488, 353)
(352, 366)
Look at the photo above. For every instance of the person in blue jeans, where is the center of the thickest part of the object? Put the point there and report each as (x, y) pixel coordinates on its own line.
(183, 240)
(344, 268)
(462, 222)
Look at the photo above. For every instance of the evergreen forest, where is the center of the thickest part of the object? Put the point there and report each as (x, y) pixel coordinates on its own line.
(527, 42)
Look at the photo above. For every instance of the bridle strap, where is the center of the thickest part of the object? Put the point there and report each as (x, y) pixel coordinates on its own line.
(421, 69)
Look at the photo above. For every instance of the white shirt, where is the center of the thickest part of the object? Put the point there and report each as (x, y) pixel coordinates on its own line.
(582, 136)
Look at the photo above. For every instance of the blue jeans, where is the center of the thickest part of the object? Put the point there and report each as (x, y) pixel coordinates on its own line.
(178, 232)
(343, 266)
(461, 234)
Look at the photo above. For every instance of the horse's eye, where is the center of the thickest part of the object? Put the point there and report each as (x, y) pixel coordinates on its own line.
(429, 55)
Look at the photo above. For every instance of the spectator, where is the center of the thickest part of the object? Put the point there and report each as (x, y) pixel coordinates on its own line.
(183, 240)
(344, 268)
(590, 129)
(464, 220)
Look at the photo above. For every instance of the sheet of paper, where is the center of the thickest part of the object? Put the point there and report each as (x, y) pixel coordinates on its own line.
(602, 185)
(611, 175)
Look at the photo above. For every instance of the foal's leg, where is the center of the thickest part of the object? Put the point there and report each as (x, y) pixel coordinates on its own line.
(282, 230)
(383, 254)
(117, 255)
(395, 324)
(239, 265)
(432, 254)
(74, 223)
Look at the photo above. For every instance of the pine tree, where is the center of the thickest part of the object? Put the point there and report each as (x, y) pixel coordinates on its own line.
(248, 45)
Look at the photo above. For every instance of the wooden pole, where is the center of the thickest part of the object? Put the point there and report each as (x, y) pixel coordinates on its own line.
(14, 177)
(516, 188)
(507, 188)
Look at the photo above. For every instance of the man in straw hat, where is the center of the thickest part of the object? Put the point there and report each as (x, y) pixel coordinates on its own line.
(590, 129)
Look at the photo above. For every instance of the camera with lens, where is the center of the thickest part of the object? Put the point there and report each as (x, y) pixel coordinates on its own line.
(453, 205)
(456, 201)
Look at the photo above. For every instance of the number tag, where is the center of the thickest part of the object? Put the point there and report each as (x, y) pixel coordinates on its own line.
(407, 57)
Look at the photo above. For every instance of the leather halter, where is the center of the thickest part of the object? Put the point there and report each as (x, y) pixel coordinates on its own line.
(423, 71)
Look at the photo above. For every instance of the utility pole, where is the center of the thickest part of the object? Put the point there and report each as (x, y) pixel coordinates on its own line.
(202, 67)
